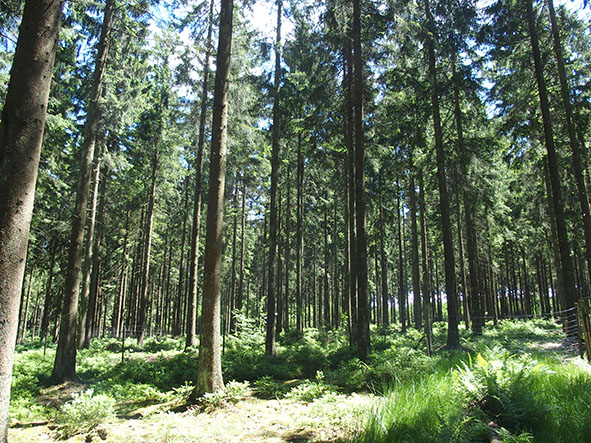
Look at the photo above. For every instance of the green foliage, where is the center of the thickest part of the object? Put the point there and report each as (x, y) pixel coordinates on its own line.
(85, 413)
(267, 387)
(233, 392)
(526, 399)
(309, 391)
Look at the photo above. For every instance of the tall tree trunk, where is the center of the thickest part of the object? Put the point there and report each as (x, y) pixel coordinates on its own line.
(272, 283)
(577, 157)
(384, 259)
(95, 275)
(48, 303)
(425, 264)
(282, 319)
(349, 130)
(553, 166)
(401, 285)
(87, 263)
(233, 271)
(178, 301)
(475, 292)
(453, 338)
(209, 373)
(120, 306)
(64, 367)
(416, 285)
(240, 292)
(25, 312)
(363, 341)
(326, 291)
(335, 277)
(299, 237)
(191, 323)
(143, 307)
(21, 133)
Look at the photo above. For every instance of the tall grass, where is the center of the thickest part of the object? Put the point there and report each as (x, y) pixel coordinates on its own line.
(519, 398)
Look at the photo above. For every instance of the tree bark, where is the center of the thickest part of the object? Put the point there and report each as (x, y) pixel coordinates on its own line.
(178, 301)
(577, 157)
(143, 307)
(453, 338)
(553, 166)
(299, 237)
(95, 275)
(416, 285)
(64, 367)
(209, 373)
(240, 292)
(87, 263)
(191, 339)
(401, 285)
(21, 133)
(425, 264)
(272, 282)
(363, 341)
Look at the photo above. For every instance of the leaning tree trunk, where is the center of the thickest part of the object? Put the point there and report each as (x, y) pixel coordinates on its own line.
(191, 323)
(553, 167)
(64, 367)
(209, 373)
(21, 133)
(453, 338)
(363, 344)
(577, 157)
(87, 262)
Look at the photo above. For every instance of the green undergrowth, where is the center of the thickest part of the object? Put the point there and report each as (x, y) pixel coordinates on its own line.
(491, 391)
(514, 376)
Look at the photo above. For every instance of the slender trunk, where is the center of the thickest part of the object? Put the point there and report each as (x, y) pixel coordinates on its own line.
(120, 306)
(326, 292)
(25, 313)
(453, 338)
(87, 264)
(191, 323)
(577, 157)
(475, 292)
(272, 288)
(566, 265)
(299, 237)
(282, 318)
(94, 280)
(348, 79)
(147, 251)
(384, 259)
(401, 288)
(363, 340)
(178, 302)
(416, 285)
(209, 373)
(233, 271)
(48, 291)
(64, 367)
(240, 292)
(424, 264)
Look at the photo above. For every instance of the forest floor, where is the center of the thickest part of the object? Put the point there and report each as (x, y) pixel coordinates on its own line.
(248, 420)
(315, 390)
